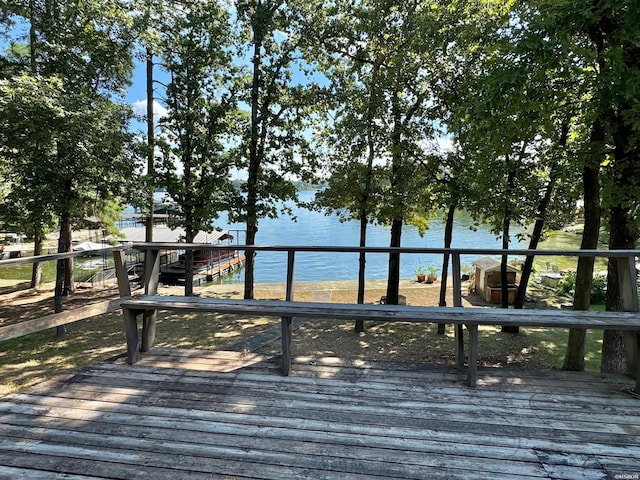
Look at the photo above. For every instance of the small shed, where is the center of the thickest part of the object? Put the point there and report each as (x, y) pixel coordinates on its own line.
(487, 280)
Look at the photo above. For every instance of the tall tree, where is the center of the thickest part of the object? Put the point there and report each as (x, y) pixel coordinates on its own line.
(376, 61)
(148, 17)
(195, 167)
(29, 108)
(606, 31)
(407, 91)
(353, 135)
(616, 28)
(468, 33)
(513, 122)
(273, 150)
(85, 47)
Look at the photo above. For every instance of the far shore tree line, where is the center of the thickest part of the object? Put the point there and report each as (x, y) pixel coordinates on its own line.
(512, 111)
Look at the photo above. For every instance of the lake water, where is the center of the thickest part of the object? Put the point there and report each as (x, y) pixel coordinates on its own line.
(315, 228)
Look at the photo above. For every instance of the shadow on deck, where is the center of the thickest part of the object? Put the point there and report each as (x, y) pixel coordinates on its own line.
(193, 414)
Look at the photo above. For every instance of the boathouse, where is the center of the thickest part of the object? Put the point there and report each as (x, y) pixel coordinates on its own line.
(208, 264)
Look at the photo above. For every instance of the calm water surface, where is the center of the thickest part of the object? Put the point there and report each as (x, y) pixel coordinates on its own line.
(317, 229)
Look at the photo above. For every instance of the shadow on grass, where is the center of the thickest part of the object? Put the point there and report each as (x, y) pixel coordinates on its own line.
(31, 359)
(17, 287)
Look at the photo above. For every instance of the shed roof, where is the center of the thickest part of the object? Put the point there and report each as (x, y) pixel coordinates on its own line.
(489, 264)
(164, 234)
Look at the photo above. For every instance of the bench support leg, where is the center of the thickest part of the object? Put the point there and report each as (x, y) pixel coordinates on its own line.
(131, 333)
(472, 368)
(148, 330)
(459, 348)
(286, 345)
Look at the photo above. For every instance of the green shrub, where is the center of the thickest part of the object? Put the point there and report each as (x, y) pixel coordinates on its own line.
(599, 289)
(567, 285)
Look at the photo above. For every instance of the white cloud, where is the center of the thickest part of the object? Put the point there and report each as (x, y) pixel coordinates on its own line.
(140, 108)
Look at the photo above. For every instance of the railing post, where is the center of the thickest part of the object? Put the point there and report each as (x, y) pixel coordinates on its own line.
(130, 317)
(457, 279)
(629, 303)
(457, 302)
(286, 321)
(152, 270)
(119, 260)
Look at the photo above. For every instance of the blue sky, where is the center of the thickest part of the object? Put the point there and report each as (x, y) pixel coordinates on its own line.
(137, 94)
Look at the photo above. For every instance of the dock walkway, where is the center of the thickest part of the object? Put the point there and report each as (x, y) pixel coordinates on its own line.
(194, 414)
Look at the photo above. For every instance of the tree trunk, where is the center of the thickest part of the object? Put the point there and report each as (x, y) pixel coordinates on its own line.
(188, 208)
(362, 260)
(64, 268)
(252, 229)
(574, 355)
(364, 217)
(622, 231)
(448, 237)
(621, 236)
(254, 164)
(393, 280)
(188, 263)
(504, 281)
(538, 227)
(33, 36)
(36, 271)
(150, 144)
(613, 358)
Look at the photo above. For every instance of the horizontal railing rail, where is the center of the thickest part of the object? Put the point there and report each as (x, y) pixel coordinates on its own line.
(626, 270)
(625, 259)
(25, 327)
(50, 257)
(411, 250)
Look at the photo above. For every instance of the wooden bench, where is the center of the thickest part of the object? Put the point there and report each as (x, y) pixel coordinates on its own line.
(470, 317)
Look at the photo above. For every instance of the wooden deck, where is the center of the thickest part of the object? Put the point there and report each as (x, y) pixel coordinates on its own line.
(185, 414)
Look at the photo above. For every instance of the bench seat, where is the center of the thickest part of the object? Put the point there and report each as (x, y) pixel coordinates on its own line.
(469, 317)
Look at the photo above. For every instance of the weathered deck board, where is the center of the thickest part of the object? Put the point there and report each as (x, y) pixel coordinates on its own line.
(195, 414)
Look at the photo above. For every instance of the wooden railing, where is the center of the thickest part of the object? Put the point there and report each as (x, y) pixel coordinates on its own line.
(18, 329)
(625, 266)
(624, 258)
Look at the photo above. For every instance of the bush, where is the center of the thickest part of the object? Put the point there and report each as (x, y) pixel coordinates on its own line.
(599, 289)
(567, 286)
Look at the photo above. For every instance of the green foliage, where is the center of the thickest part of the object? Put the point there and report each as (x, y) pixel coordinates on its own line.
(40, 165)
(64, 135)
(195, 164)
(566, 285)
(599, 289)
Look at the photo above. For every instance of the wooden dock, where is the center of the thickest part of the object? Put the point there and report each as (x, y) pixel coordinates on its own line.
(189, 414)
(173, 274)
